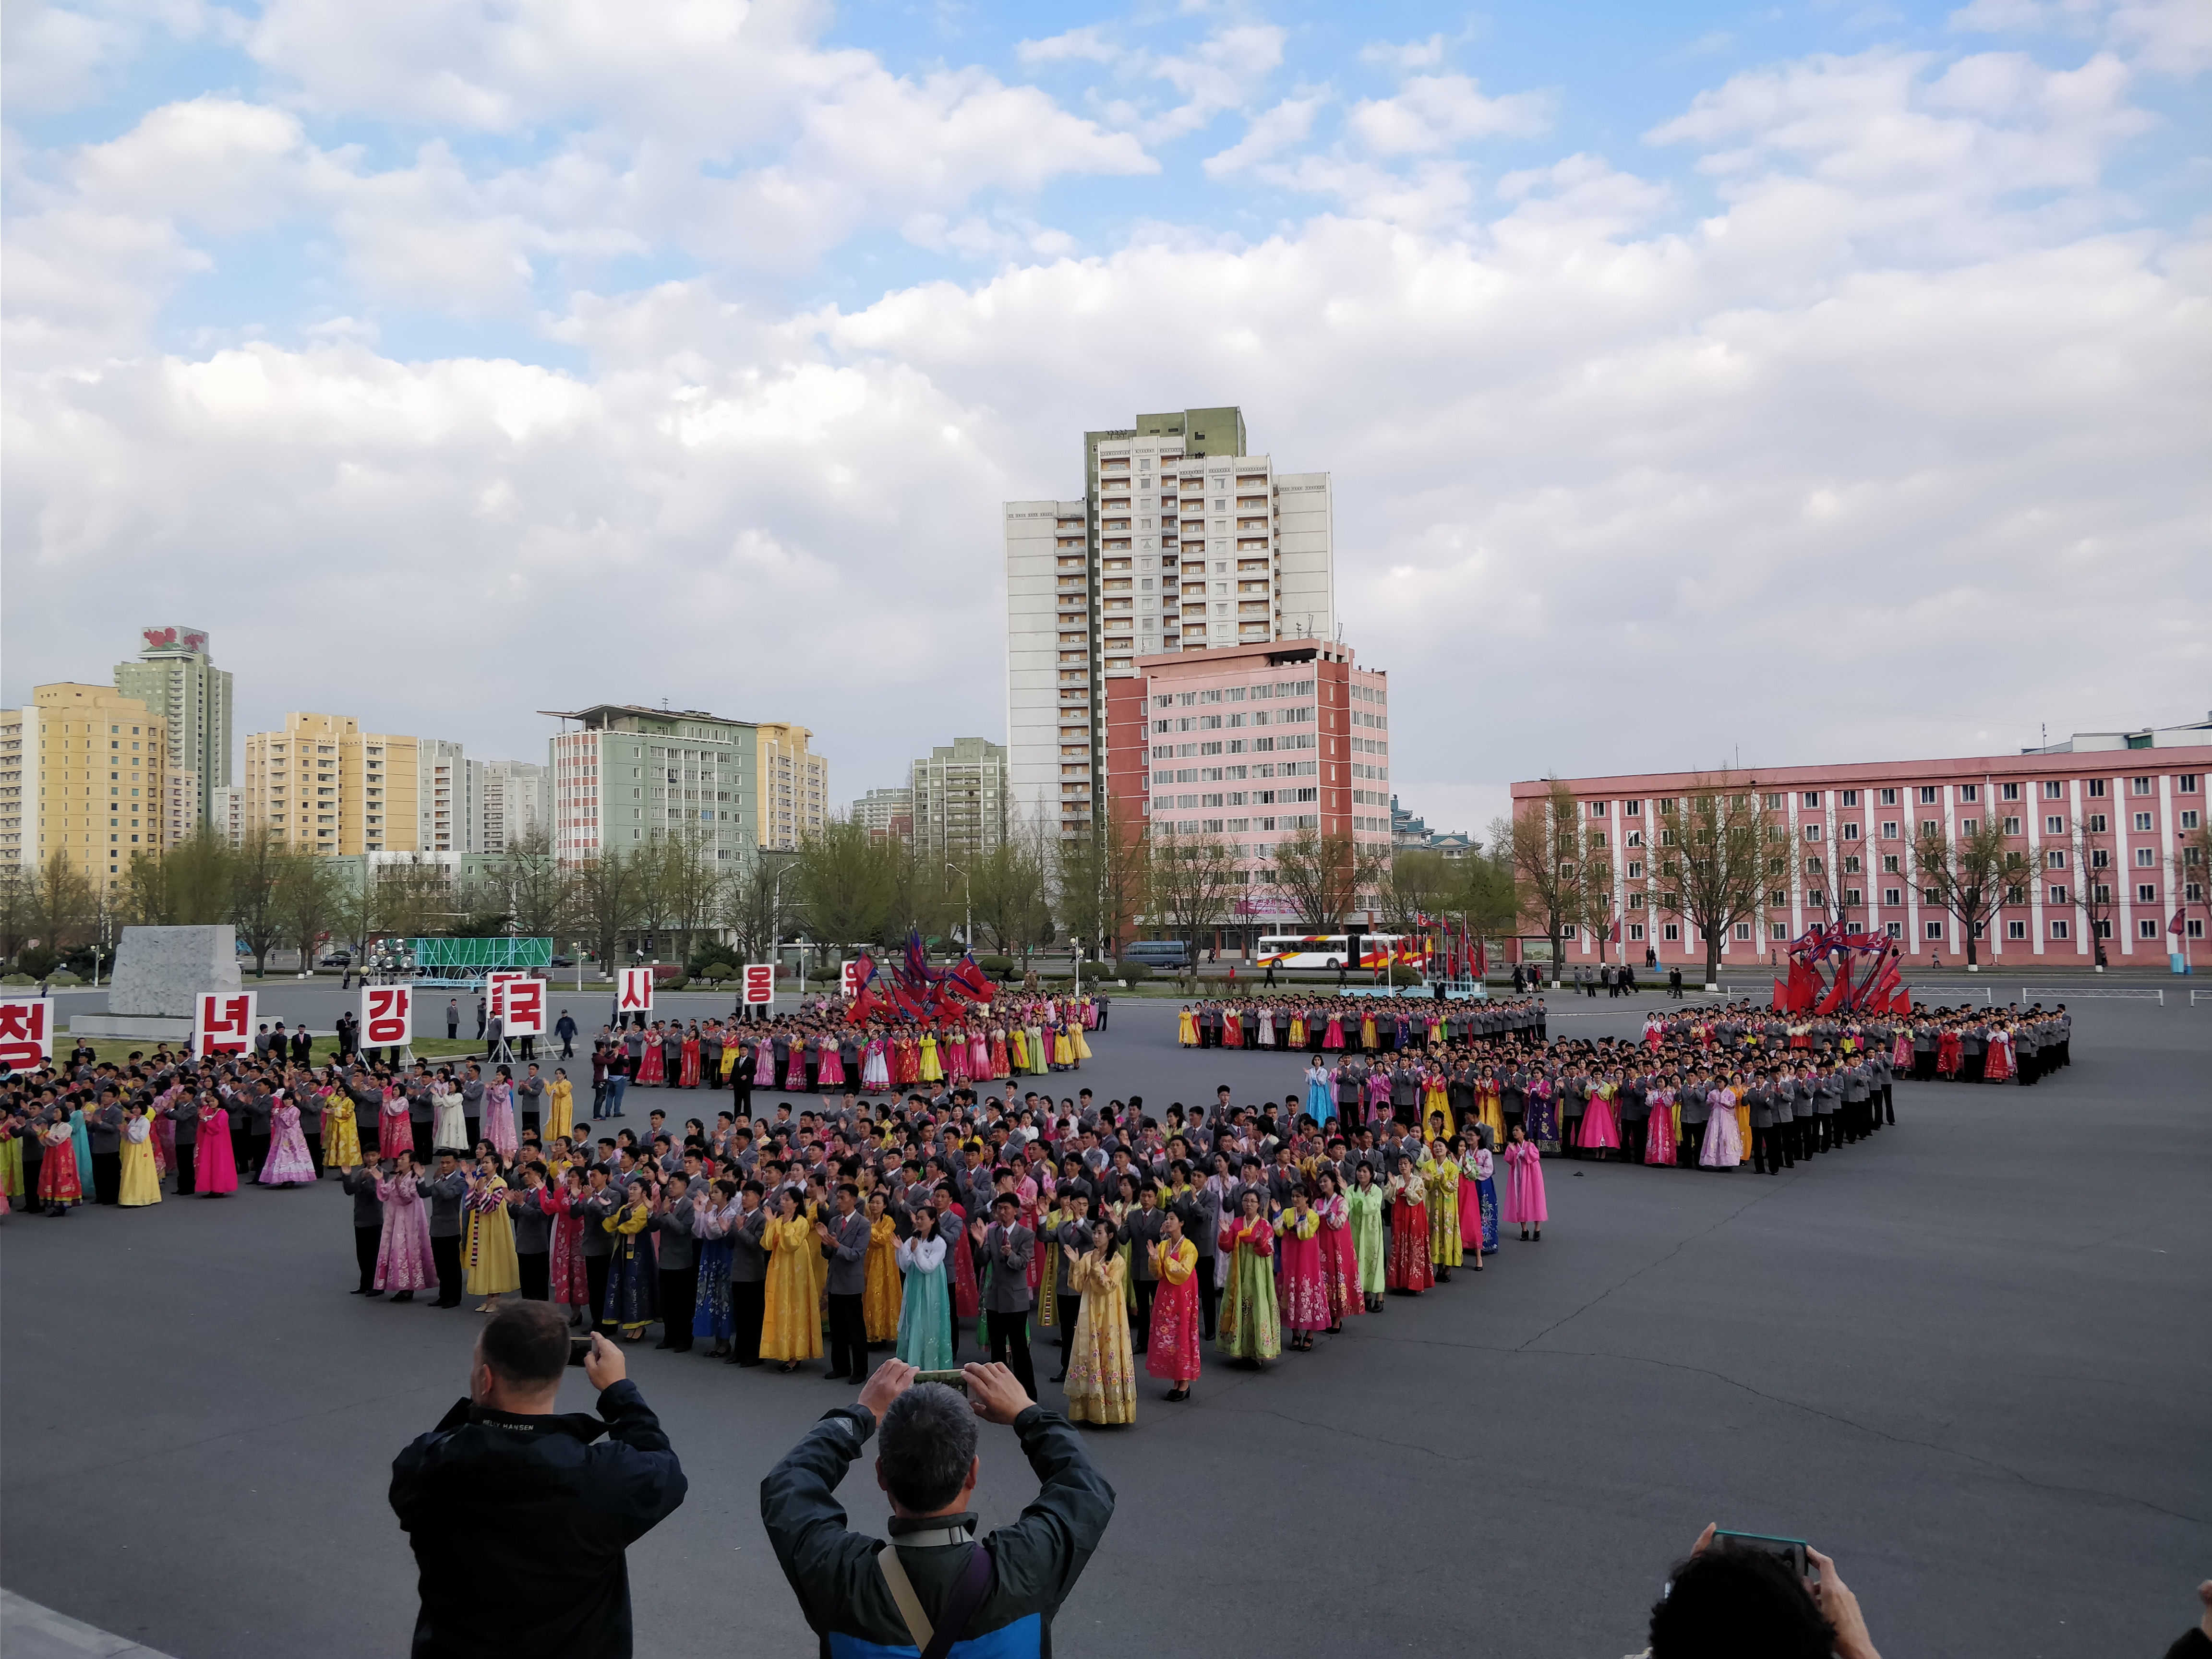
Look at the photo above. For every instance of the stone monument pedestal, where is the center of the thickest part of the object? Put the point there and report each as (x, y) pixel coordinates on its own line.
(159, 974)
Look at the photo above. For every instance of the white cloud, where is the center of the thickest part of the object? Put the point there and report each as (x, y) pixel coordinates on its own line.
(1267, 135)
(1431, 113)
(1404, 55)
(1919, 389)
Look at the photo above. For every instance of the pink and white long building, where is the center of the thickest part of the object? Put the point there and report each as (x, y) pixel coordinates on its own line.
(2128, 805)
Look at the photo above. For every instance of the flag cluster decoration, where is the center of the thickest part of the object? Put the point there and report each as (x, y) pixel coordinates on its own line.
(910, 988)
(1834, 968)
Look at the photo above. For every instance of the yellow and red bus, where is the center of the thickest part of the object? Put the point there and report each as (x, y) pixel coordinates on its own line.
(1334, 950)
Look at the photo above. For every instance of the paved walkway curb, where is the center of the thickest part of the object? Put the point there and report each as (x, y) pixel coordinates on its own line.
(29, 1631)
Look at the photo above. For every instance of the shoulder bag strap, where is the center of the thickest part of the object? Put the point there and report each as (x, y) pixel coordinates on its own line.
(902, 1589)
(968, 1593)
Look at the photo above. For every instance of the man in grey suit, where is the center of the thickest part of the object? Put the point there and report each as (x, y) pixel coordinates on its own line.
(748, 1275)
(445, 1190)
(1007, 1247)
(844, 1245)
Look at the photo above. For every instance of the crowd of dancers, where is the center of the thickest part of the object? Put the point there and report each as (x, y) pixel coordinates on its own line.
(918, 1218)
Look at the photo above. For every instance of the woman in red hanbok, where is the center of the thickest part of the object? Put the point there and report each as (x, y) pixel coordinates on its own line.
(954, 1046)
(61, 1188)
(1659, 1133)
(830, 1074)
(1173, 1343)
(794, 1064)
(1340, 1254)
(1409, 1267)
(216, 1170)
(1950, 1054)
(1334, 1036)
(1303, 1289)
(1232, 1028)
(1996, 1063)
(571, 1284)
(651, 1068)
(690, 1076)
(960, 1268)
(1001, 1064)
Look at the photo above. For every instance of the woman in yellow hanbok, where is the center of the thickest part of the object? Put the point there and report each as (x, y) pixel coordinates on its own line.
(488, 1247)
(141, 1176)
(791, 1330)
(1075, 1036)
(1367, 1033)
(884, 1291)
(932, 1070)
(1298, 1028)
(340, 1132)
(1440, 1175)
(561, 1107)
(1101, 1371)
(1488, 1108)
(1063, 1050)
(1187, 1028)
(1436, 1101)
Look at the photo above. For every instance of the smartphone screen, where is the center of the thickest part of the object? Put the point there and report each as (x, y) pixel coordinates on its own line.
(579, 1350)
(1791, 1550)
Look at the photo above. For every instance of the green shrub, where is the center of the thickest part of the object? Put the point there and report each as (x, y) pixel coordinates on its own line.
(1135, 972)
(37, 961)
(719, 972)
(17, 979)
(996, 967)
(63, 976)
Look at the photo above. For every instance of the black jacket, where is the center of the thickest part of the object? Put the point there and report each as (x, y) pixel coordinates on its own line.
(1034, 1562)
(518, 1526)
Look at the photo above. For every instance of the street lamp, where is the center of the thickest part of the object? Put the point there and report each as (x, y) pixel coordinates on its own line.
(967, 907)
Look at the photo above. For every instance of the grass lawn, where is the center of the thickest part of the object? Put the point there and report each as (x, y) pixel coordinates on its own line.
(120, 1049)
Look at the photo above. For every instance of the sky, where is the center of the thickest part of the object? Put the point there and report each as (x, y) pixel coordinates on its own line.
(1700, 384)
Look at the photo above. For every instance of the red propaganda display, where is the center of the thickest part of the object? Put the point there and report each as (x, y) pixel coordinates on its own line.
(912, 989)
(222, 1022)
(27, 1031)
(1834, 968)
(848, 977)
(635, 994)
(388, 1016)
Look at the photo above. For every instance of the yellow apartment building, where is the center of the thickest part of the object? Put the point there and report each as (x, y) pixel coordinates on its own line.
(793, 785)
(98, 762)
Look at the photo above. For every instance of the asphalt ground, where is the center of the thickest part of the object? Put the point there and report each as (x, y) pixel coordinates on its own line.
(1968, 1358)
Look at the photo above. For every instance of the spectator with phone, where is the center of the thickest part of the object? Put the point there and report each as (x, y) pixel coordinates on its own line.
(1738, 1597)
(519, 1516)
(936, 1584)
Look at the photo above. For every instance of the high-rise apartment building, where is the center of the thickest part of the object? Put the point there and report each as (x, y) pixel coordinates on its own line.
(98, 760)
(1182, 542)
(514, 799)
(11, 786)
(960, 798)
(886, 814)
(227, 813)
(795, 785)
(176, 678)
(627, 776)
(1250, 743)
(324, 785)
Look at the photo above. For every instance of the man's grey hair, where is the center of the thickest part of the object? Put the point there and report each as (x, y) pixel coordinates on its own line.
(926, 1445)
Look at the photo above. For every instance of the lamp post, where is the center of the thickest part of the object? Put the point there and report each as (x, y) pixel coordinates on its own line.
(776, 932)
(967, 906)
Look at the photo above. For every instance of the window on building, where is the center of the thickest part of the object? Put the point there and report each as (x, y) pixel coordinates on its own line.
(2061, 930)
(1809, 797)
(1927, 795)
(2008, 791)
(2146, 857)
(1931, 929)
(2146, 893)
(1671, 932)
(1892, 897)
(2147, 928)
(1567, 932)
(2188, 783)
(2094, 788)
(1889, 826)
(2015, 930)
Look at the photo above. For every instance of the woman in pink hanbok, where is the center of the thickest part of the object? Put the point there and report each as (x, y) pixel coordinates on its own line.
(1334, 1036)
(1302, 1288)
(954, 1047)
(832, 1072)
(288, 1163)
(1524, 1184)
(979, 1056)
(1724, 1147)
(570, 1281)
(794, 1068)
(499, 1115)
(403, 1253)
(216, 1170)
(1659, 1133)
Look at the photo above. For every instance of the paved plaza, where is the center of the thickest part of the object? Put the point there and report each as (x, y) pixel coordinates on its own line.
(1968, 1358)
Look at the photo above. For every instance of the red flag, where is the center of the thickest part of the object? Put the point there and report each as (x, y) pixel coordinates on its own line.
(1902, 1002)
(2174, 927)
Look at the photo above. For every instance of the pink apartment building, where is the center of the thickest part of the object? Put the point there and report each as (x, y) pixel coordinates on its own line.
(2128, 805)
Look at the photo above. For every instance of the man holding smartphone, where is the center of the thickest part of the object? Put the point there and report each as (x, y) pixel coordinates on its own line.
(519, 1516)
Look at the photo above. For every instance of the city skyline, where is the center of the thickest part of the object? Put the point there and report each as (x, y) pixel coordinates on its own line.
(1802, 388)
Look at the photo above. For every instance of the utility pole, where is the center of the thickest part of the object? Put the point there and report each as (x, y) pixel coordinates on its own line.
(967, 907)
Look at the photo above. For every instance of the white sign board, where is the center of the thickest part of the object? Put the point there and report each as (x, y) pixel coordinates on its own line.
(757, 986)
(222, 1022)
(27, 1031)
(388, 1016)
(635, 992)
(518, 1002)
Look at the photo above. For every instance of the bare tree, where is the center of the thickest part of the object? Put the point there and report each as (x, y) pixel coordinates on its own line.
(185, 885)
(1196, 883)
(1710, 868)
(260, 864)
(753, 905)
(1487, 897)
(692, 880)
(1322, 874)
(535, 886)
(1415, 889)
(609, 902)
(308, 901)
(2091, 884)
(1013, 901)
(415, 898)
(2192, 873)
(61, 908)
(18, 897)
(1966, 874)
(1547, 864)
(1100, 886)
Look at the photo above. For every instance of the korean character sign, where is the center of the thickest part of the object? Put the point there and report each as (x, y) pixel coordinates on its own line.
(848, 977)
(758, 985)
(388, 1016)
(634, 995)
(27, 1031)
(520, 1003)
(222, 1022)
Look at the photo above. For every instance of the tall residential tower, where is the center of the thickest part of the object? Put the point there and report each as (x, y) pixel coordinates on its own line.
(177, 681)
(1182, 542)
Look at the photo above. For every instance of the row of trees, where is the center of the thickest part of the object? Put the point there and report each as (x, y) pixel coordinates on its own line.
(1716, 859)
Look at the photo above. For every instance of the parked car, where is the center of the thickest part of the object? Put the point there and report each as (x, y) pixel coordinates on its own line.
(564, 962)
(1158, 952)
(336, 959)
